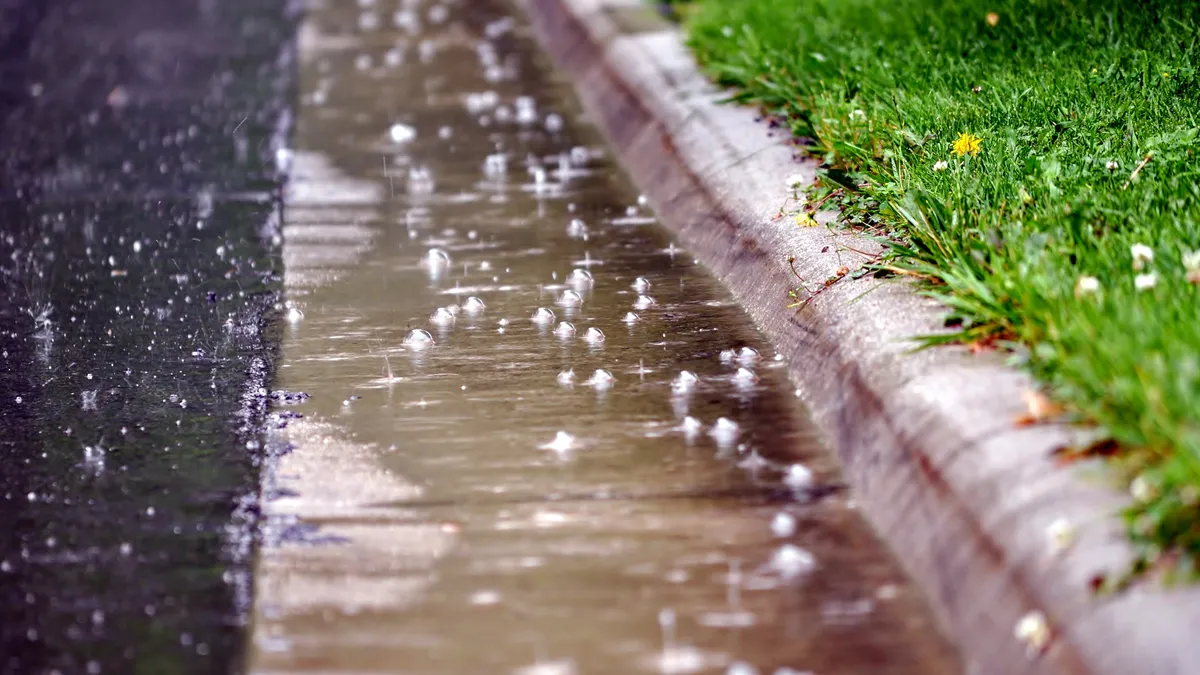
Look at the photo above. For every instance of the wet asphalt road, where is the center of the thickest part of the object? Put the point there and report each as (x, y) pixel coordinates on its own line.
(139, 258)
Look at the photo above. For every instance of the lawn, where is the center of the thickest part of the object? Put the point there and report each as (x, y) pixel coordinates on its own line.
(1034, 163)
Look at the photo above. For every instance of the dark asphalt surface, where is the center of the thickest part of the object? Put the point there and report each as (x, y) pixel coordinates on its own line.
(139, 258)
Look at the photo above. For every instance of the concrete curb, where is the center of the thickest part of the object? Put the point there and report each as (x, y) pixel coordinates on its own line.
(964, 496)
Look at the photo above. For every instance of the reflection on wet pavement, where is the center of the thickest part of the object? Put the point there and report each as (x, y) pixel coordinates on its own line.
(540, 438)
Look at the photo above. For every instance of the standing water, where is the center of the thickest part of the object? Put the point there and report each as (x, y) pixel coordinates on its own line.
(537, 436)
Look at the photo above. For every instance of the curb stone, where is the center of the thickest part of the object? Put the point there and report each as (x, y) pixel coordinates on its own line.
(927, 440)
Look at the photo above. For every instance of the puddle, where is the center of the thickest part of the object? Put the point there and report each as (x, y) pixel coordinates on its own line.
(471, 490)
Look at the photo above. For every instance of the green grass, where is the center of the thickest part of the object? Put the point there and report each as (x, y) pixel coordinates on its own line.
(1087, 111)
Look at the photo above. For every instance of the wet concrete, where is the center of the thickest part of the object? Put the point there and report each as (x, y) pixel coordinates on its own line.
(455, 507)
(138, 206)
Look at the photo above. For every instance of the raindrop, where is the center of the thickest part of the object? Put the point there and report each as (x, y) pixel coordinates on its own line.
(503, 323)
(631, 318)
(294, 315)
(567, 377)
(283, 160)
(474, 306)
(543, 316)
(418, 339)
(791, 561)
(642, 201)
(641, 284)
(565, 329)
(783, 525)
(594, 336)
(577, 229)
(798, 477)
(643, 302)
(442, 317)
(562, 442)
(554, 123)
(570, 298)
(402, 133)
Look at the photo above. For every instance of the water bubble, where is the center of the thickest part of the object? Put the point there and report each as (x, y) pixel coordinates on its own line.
(420, 180)
(601, 379)
(503, 114)
(685, 382)
(643, 302)
(641, 284)
(565, 329)
(418, 339)
(567, 377)
(474, 306)
(580, 278)
(294, 315)
(594, 336)
(562, 442)
(580, 155)
(741, 668)
(577, 229)
(798, 477)
(691, 426)
(402, 133)
(454, 309)
(393, 57)
(436, 257)
(503, 323)
(747, 356)
(631, 318)
(744, 377)
(442, 317)
(791, 561)
(484, 598)
(642, 201)
(753, 462)
(570, 298)
(554, 123)
(724, 431)
(783, 525)
(495, 164)
(559, 667)
(543, 316)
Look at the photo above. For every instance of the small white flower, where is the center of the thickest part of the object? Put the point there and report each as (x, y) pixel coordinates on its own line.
(1144, 282)
(795, 181)
(1061, 533)
(1191, 260)
(1141, 489)
(1142, 254)
(941, 165)
(1033, 631)
(858, 115)
(1112, 165)
(1087, 285)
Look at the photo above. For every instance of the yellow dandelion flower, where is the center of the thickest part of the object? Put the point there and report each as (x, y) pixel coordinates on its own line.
(967, 143)
(804, 220)
(993, 19)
